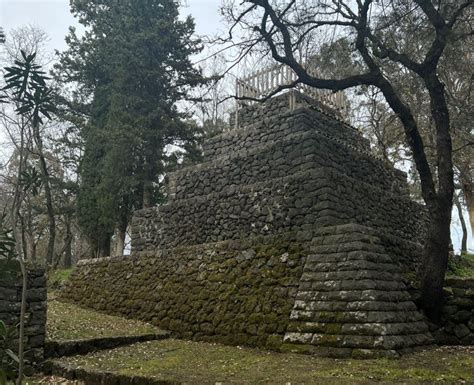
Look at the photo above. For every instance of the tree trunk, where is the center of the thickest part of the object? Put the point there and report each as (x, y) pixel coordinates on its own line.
(436, 251)
(121, 235)
(68, 246)
(31, 236)
(463, 225)
(469, 198)
(147, 195)
(33, 250)
(48, 195)
(103, 246)
(150, 171)
(438, 203)
(435, 262)
(24, 243)
(18, 198)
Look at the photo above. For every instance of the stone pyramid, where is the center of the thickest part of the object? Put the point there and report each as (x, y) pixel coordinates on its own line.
(288, 235)
(352, 299)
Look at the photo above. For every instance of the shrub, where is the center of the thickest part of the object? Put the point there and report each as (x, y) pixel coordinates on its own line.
(8, 359)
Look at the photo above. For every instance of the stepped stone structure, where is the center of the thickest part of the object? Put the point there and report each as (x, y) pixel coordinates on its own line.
(289, 235)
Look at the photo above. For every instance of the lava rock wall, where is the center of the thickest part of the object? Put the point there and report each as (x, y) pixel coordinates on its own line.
(233, 255)
(10, 305)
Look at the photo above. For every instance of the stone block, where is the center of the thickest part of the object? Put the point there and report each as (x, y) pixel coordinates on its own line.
(461, 331)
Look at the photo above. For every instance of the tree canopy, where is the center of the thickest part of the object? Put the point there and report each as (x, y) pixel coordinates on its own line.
(130, 69)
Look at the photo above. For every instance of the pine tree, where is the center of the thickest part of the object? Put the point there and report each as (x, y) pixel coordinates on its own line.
(132, 66)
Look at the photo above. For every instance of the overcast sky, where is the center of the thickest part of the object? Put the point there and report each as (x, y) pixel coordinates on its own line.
(54, 18)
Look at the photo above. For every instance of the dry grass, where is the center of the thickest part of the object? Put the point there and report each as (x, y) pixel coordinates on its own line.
(70, 322)
(204, 363)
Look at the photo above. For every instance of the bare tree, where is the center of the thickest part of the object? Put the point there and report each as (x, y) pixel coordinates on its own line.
(282, 26)
(27, 41)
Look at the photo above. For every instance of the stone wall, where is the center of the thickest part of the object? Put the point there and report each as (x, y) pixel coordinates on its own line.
(457, 323)
(230, 292)
(340, 283)
(275, 206)
(10, 302)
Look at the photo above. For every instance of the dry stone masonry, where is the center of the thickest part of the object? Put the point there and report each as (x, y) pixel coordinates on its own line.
(457, 320)
(288, 235)
(10, 304)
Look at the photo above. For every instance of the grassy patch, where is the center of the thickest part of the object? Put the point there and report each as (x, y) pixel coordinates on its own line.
(57, 278)
(70, 322)
(204, 363)
(462, 266)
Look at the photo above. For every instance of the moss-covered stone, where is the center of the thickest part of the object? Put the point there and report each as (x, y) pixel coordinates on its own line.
(232, 297)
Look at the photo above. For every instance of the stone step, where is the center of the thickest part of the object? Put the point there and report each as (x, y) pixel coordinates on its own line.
(311, 275)
(341, 305)
(54, 349)
(331, 255)
(355, 295)
(314, 264)
(387, 342)
(343, 248)
(348, 236)
(343, 317)
(363, 284)
(365, 329)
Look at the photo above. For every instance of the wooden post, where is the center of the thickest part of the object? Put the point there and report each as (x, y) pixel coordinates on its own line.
(237, 93)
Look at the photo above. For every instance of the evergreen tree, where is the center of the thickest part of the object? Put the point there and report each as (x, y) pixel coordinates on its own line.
(132, 66)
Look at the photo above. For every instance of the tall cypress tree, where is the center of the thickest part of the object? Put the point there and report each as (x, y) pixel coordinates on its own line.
(132, 66)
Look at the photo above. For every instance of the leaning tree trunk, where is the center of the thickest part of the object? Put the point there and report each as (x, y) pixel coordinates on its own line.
(469, 198)
(463, 225)
(438, 201)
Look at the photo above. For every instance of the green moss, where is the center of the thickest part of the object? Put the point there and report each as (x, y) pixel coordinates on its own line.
(274, 342)
(296, 348)
(333, 328)
(462, 266)
(330, 340)
(255, 318)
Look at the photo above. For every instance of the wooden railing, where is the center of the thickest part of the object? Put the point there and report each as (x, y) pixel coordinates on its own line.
(263, 82)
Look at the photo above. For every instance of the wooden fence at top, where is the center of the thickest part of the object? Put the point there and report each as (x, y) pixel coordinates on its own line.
(263, 82)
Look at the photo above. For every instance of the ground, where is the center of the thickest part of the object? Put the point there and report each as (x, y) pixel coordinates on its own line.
(70, 322)
(204, 363)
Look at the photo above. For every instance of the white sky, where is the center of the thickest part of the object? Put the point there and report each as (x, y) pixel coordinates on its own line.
(54, 18)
